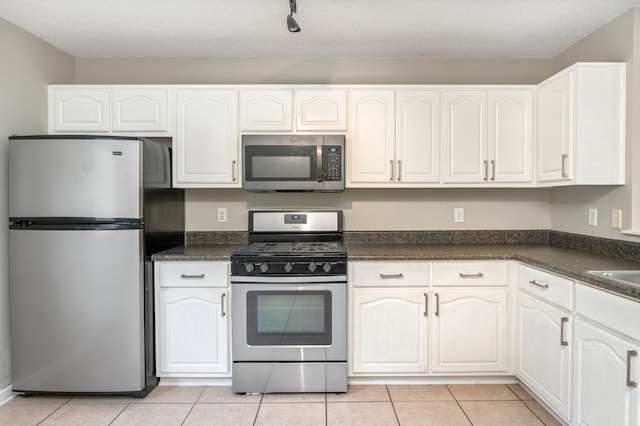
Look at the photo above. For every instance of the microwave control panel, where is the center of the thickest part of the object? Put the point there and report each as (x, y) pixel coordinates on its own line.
(332, 162)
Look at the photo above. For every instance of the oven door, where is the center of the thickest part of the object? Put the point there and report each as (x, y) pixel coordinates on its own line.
(289, 322)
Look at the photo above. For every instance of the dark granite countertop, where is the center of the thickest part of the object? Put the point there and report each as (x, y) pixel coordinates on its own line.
(569, 262)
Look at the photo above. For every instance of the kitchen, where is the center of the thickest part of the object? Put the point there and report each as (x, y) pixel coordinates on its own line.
(32, 64)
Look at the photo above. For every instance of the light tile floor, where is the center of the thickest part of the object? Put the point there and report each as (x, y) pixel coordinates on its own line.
(440, 405)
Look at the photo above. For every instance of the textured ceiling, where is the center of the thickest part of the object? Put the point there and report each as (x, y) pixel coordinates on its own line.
(330, 28)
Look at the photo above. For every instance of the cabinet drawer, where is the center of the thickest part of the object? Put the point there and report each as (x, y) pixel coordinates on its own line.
(389, 274)
(193, 274)
(471, 274)
(547, 286)
(617, 313)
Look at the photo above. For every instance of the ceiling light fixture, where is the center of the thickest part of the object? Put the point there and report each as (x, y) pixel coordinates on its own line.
(292, 25)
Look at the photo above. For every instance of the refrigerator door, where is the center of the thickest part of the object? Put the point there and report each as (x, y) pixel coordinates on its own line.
(77, 311)
(75, 177)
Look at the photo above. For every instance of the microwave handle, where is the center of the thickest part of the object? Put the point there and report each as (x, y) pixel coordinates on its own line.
(320, 178)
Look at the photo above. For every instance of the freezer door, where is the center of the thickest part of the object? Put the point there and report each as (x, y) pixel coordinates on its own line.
(77, 312)
(98, 178)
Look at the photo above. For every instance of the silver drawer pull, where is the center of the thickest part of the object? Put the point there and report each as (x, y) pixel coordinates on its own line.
(630, 383)
(426, 305)
(537, 284)
(562, 341)
(476, 275)
(391, 276)
(192, 277)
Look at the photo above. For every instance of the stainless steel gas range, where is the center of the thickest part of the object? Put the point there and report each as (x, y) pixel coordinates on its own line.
(289, 304)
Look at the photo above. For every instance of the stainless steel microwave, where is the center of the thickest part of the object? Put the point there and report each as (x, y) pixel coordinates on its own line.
(293, 163)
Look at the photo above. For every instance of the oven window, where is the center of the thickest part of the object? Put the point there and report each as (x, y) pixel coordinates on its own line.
(273, 163)
(289, 318)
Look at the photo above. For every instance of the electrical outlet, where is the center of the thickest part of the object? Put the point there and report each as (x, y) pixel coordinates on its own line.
(616, 218)
(222, 214)
(593, 217)
(458, 214)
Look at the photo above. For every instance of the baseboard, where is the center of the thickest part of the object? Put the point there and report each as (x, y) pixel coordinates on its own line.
(6, 394)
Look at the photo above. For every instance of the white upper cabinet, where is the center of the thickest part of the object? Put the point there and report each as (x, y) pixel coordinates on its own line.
(510, 136)
(394, 138)
(488, 136)
(581, 125)
(139, 110)
(129, 110)
(371, 144)
(79, 110)
(266, 110)
(321, 110)
(417, 154)
(206, 146)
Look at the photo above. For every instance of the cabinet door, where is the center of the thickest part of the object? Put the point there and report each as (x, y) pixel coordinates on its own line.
(79, 110)
(266, 110)
(418, 136)
(372, 145)
(321, 110)
(206, 145)
(194, 337)
(465, 136)
(544, 351)
(555, 128)
(390, 331)
(510, 136)
(469, 331)
(139, 110)
(603, 365)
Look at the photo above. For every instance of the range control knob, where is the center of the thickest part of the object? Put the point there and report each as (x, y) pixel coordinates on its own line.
(288, 267)
(249, 267)
(264, 267)
(312, 267)
(326, 267)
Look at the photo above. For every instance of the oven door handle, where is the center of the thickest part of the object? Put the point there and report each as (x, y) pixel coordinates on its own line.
(303, 279)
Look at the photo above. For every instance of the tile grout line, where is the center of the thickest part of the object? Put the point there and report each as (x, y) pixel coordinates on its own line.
(460, 406)
(393, 406)
(193, 405)
(255, 419)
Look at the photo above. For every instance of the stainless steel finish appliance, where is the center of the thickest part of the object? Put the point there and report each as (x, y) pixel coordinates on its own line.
(86, 213)
(293, 163)
(289, 304)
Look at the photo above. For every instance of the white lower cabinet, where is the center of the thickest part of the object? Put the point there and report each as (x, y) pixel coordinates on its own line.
(390, 331)
(544, 351)
(469, 331)
(192, 320)
(606, 364)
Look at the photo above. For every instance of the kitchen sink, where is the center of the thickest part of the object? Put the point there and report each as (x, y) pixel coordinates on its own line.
(627, 277)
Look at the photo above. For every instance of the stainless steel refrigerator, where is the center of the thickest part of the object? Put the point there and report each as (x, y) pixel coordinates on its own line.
(85, 215)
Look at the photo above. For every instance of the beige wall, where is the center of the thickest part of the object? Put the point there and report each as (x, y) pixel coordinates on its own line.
(570, 205)
(28, 65)
(311, 71)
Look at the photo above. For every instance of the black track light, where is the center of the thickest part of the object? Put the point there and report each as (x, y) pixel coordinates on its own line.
(292, 25)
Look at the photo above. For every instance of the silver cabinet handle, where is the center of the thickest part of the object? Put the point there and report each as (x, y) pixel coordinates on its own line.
(476, 275)
(392, 174)
(222, 304)
(437, 312)
(426, 304)
(399, 171)
(486, 170)
(630, 383)
(537, 284)
(563, 342)
(391, 276)
(234, 168)
(493, 169)
(564, 170)
(192, 277)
